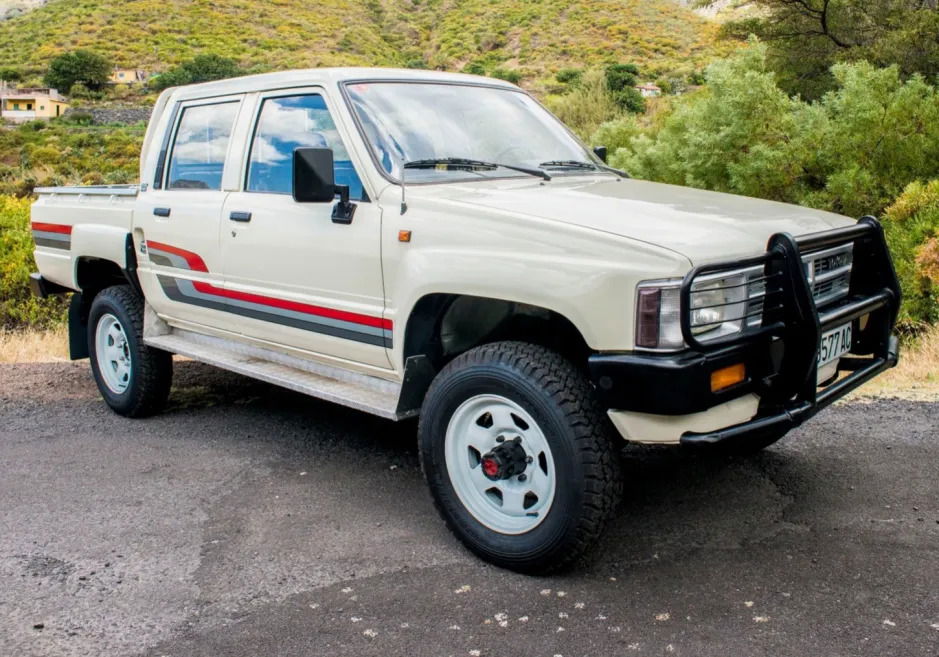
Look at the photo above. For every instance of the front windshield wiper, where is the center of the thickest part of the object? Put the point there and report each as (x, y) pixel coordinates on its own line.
(577, 164)
(463, 163)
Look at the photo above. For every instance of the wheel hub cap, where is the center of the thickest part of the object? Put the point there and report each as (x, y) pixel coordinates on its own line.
(500, 464)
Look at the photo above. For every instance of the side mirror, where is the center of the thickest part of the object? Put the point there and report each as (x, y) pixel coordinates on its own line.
(600, 152)
(313, 176)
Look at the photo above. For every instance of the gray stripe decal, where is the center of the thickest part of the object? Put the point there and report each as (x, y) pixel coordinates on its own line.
(166, 259)
(55, 244)
(183, 291)
(44, 234)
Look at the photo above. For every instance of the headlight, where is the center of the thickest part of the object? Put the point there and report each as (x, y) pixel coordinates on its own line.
(718, 305)
(721, 305)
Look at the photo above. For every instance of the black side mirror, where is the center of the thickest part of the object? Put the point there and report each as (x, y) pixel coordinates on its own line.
(313, 177)
(314, 182)
(600, 152)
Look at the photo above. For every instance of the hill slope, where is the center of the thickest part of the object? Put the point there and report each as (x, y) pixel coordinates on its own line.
(537, 36)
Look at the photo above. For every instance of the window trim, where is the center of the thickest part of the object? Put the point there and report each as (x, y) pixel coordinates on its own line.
(256, 122)
(166, 157)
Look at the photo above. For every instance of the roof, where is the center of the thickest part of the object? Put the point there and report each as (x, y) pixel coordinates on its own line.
(325, 76)
(32, 92)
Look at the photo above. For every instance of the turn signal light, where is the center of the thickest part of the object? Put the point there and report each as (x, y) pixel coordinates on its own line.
(729, 376)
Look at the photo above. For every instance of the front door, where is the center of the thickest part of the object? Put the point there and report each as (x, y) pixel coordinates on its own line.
(296, 277)
(177, 220)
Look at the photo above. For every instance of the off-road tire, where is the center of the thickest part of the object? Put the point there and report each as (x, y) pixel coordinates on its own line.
(151, 369)
(584, 448)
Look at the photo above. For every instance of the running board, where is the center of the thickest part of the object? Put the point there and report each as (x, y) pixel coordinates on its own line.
(359, 391)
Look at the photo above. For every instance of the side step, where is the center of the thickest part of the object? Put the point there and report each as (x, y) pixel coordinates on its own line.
(359, 391)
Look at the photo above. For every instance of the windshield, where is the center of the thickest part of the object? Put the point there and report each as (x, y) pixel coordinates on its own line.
(408, 121)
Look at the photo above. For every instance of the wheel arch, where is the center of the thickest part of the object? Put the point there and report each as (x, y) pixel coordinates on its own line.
(441, 326)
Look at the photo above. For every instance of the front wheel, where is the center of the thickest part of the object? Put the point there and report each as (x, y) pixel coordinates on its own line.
(134, 379)
(520, 460)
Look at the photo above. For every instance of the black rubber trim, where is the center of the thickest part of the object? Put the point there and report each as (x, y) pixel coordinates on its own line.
(43, 287)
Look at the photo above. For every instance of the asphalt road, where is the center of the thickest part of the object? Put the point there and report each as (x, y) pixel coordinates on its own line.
(251, 521)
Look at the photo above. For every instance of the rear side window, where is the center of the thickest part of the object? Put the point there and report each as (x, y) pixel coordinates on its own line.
(198, 156)
(288, 123)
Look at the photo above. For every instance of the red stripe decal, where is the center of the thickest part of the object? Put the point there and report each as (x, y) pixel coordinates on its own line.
(52, 228)
(197, 264)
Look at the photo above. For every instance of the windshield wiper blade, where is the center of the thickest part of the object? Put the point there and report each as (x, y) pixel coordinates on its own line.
(569, 164)
(457, 162)
(577, 164)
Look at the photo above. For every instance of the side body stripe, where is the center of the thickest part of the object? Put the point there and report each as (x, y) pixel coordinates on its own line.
(56, 236)
(328, 321)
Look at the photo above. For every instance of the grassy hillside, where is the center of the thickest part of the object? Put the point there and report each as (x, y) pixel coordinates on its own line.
(535, 36)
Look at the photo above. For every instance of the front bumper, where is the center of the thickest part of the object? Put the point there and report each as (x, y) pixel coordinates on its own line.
(780, 356)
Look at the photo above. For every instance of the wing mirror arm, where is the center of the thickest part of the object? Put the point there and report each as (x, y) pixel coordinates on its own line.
(344, 210)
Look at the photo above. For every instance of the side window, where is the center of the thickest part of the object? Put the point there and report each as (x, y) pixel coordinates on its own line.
(288, 123)
(198, 155)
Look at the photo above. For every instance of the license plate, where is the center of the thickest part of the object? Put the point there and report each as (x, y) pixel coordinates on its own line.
(835, 344)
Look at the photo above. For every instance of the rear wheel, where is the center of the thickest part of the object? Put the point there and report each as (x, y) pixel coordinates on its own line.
(133, 378)
(520, 461)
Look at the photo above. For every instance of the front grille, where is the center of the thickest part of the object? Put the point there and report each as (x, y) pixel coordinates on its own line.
(829, 273)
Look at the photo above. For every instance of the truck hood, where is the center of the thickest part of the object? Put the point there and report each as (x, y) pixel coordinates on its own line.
(700, 225)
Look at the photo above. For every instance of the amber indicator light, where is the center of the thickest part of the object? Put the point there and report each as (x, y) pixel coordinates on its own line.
(728, 376)
(404, 236)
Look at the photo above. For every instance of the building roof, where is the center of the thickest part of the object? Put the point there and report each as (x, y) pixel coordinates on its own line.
(32, 92)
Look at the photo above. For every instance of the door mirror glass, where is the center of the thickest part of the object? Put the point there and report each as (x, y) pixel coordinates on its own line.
(313, 176)
(600, 152)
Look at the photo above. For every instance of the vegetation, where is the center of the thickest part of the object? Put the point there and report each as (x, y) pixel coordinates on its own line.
(534, 39)
(17, 306)
(60, 152)
(78, 67)
(808, 37)
(851, 152)
(201, 68)
(912, 225)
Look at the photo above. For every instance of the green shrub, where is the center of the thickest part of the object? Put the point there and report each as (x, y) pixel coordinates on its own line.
(587, 106)
(18, 307)
(88, 68)
(202, 68)
(852, 152)
(507, 74)
(569, 75)
(912, 227)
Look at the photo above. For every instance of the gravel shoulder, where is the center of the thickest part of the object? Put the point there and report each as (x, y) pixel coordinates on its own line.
(247, 520)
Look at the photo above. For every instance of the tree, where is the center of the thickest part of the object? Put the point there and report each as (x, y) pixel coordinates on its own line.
(807, 37)
(621, 80)
(10, 74)
(202, 68)
(88, 68)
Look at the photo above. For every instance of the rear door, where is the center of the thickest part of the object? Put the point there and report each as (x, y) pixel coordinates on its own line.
(178, 219)
(296, 277)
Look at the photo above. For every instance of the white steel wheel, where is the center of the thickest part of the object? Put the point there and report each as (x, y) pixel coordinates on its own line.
(113, 354)
(500, 464)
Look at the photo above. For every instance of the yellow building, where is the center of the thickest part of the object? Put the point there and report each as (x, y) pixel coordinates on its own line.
(26, 104)
(127, 76)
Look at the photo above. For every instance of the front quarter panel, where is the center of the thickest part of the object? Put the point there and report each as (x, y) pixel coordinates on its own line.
(585, 275)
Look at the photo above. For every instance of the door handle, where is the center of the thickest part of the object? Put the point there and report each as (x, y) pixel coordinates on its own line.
(161, 212)
(240, 216)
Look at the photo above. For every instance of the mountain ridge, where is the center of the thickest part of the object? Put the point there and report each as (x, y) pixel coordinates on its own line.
(535, 38)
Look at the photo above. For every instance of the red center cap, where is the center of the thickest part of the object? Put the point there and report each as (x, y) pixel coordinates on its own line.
(490, 466)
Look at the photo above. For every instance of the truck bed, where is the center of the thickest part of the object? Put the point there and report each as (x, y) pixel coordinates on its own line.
(92, 220)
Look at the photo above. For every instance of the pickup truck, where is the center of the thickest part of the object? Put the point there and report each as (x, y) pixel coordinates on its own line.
(416, 243)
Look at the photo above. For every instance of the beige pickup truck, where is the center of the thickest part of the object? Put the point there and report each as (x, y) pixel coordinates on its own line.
(438, 245)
